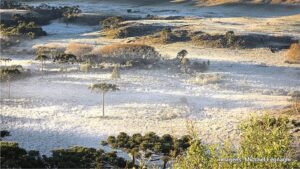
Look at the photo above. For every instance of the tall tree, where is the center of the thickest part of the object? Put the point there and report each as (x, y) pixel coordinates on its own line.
(103, 88)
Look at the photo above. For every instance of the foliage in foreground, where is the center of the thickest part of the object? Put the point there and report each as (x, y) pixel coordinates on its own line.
(142, 147)
(12, 156)
(265, 143)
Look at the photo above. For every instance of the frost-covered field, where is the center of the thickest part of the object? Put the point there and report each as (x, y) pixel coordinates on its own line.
(60, 111)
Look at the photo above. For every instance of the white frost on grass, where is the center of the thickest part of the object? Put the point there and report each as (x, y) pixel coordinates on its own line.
(60, 111)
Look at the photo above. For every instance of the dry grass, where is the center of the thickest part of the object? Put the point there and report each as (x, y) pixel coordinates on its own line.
(79, 49)
(110, 33)
(293, 54)
(107, 50)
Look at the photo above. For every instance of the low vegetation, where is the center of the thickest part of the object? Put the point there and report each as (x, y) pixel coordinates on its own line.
(115, 72)
(143, 147)
(79, 50)
(12, 72)
(205, 79)
(265, 143)
(127, 54)
(293, 53)
(13, 156)
(23, 29)
(111, 22)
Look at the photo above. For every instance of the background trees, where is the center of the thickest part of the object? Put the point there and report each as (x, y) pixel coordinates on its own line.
(103, 88)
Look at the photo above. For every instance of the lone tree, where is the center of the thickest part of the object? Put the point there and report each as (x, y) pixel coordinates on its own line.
(103, 88)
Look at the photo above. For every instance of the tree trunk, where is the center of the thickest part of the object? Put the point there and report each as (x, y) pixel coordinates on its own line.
(165, 165)
(103, 104)
(8, 81)
(42, 68)
(133, 160)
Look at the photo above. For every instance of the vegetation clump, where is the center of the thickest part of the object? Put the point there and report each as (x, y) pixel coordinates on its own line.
(11, 72)
(132, 54)
(10, 4)
(111, 22)
(12, 156)
(229, 40)
(265, 143)
(115, 72)
(293, 53)
(79, 50)
(145, 146)
(24, 29)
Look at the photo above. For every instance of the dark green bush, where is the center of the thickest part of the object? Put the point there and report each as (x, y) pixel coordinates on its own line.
(12, 156)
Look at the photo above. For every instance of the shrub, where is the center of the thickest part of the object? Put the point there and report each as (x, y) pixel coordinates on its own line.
(70, 13)
(115, 73)
(10, 72)
(122, 53)
(27, 29)
(293, 54)
(166, 35)
(85, 67)
(263, 139)
(4, 133)
(74, 157)
(111, 22)
(78, 49)
(205, 79)
(12, 156)
(50, 50)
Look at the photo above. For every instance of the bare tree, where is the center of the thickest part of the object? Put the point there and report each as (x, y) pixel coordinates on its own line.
(103, 88)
